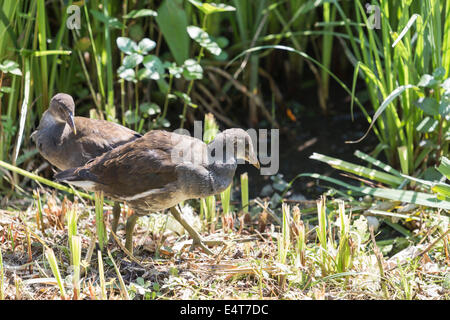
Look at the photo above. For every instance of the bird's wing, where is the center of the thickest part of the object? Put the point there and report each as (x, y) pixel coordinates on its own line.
(130, 169)
(99, 136)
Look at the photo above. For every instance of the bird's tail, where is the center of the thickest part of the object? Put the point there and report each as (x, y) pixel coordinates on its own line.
(66, 175)
(77, 176)
(74, 174)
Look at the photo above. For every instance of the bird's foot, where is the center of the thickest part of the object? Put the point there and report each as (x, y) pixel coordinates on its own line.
(213, 243)
(204, 243)
(199, 243)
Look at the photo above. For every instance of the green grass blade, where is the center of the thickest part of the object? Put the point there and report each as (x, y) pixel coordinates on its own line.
(419, 198)
(225, 199)
(110, 108)
(101, 272)
(359, 170)
(43, 180)
(244, 192)
(76, 258)
(41, 24)
(394, 94)
(377, 163)
(2, 278)
(403, 156)
(72, 226)
(405, 29)
(99, 220)
(50, 256)
(123, 288)
(23, 109)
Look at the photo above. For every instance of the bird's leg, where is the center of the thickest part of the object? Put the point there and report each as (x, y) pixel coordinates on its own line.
(197, 239)
(131, 222)
(116, 216)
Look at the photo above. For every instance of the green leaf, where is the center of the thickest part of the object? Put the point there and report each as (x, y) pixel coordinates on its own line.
(174, 70)
(149, 108)
(9, 66)
(222, 57)
(444, 108)
(131, 117)
(432, 174)
(163, 122)
(439, 73)
(186, 99)
(111, 22)
(209, 8)
(446, 86)
(444, 167)
(192, 70)
(427, 81)
(427, 125)
(143, 73)
(172, 21)
(127, 74)
(16, 71)
(140, 13)
(6, 89)
(279, 183)
(203, 39)
(126, 45)
(222, 42)
(429, 106)
(136, 32)
(146, 45)
(154, 65)
(132, 60)
(443, 189)
(447, 136)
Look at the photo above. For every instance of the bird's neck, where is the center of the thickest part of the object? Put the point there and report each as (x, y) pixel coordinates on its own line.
(222, 166)
(222, 175)
(53, 128)
(49, 120)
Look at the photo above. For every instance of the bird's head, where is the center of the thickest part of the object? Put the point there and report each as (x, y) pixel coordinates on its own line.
(62, 108)
(240, 143)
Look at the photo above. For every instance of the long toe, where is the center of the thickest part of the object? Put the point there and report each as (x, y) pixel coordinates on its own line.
(202, 246)
(214, 243)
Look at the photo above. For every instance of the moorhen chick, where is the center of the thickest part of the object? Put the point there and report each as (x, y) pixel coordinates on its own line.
(161, 169)
(67, 141)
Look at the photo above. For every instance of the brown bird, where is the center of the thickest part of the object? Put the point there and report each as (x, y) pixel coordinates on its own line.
(161, 169)
(67, 141)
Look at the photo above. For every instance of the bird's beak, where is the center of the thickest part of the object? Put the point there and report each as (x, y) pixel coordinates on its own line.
(256, 164)
(71, 123)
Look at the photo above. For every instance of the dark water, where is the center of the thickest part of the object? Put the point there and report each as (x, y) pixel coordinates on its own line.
(315, 133)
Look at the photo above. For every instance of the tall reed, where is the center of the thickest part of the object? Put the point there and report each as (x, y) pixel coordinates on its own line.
(397, 62)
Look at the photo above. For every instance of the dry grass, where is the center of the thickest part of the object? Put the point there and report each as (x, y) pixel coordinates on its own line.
(248, 268)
